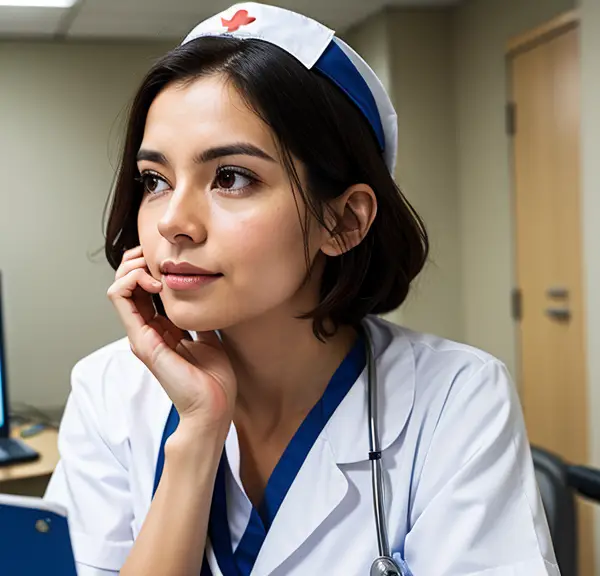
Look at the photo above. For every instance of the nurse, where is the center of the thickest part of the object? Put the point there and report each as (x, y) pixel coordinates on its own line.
(256, 230)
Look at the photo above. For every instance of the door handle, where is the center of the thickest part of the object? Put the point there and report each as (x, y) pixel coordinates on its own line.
(557, 292)
(558, 313)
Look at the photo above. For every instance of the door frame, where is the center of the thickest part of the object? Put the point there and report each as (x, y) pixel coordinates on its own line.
(542, 33)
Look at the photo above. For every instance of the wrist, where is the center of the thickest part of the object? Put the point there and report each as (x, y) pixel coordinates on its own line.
(193, 441)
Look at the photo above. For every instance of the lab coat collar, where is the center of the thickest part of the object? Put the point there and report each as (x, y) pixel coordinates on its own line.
(347, 430)
(295, 521)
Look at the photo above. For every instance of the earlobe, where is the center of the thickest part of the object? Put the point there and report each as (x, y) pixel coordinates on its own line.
(356, 209)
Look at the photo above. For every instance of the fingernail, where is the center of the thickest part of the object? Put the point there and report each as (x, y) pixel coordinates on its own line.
(157, 283)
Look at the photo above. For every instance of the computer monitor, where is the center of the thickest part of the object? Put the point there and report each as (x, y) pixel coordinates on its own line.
(12, 450)
(4, 423)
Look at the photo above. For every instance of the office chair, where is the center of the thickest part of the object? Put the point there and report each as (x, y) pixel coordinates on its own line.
(559, 483)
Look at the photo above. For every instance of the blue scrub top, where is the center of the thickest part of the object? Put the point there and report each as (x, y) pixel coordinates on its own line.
(241, 561)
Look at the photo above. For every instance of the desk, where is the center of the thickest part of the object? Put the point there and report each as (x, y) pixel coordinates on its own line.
(31, 478)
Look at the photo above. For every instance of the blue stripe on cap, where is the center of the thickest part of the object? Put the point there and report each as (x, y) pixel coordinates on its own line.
(334, 64)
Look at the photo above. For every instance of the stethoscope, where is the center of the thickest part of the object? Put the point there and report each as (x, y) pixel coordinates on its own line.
(384, 564)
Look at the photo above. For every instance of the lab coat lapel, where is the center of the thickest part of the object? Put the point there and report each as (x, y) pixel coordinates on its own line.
(347, 430)
(212, 560)
(315, 493)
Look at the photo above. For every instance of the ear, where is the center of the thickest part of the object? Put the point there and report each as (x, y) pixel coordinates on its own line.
(354, 212)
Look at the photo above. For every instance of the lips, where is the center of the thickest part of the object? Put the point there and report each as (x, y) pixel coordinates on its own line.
(186, 276)
(184, 268)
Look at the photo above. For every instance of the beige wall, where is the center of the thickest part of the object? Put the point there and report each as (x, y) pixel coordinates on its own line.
(412, 51)
(371, 40)
(482, 28)
(59, 118)
(422, 89)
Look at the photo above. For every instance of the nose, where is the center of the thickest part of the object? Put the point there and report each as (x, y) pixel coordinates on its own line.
(184, 219)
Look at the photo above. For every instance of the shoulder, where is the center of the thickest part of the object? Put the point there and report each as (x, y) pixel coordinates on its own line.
(432, 352)
(453, 385)
(464, 404)
(117, 353)
(464, 400)
(436, 362)
(113, 364)
(112, 381)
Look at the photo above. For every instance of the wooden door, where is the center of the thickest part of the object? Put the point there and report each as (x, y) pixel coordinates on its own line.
(545, 91)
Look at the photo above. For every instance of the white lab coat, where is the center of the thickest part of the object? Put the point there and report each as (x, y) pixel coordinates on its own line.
(460, 487)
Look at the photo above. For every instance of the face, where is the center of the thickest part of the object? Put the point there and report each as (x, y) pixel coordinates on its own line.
(218, 199)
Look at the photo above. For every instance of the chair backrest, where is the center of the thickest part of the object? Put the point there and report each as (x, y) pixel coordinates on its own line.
(559, 504)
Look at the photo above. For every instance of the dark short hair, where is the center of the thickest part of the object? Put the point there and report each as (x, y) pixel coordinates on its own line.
(315, 122)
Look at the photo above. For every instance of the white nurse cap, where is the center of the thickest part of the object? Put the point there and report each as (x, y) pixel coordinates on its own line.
(315, 46)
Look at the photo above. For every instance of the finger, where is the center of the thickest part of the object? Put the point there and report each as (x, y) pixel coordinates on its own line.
(208, 353)
(121, 295)
(124, 287)
(168, 326)
(174, 337)
(144, 303)
(169, 339)
(185, 353)
(128, 265)
(209, 338)
(132, 253)
(207, 346)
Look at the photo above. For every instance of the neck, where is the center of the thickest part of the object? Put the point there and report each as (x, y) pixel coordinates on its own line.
(282, 369)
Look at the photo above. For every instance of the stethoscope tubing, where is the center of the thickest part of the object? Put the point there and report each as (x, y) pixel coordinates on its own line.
(384, 565)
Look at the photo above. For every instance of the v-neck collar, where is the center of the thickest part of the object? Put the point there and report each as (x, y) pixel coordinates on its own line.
(283, 475)
(303, 440)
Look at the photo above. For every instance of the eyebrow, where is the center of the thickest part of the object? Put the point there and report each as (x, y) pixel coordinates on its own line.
(152, 156)
(238, 149)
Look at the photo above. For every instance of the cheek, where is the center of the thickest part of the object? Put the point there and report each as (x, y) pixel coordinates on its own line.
(268, 245)
(149, 237)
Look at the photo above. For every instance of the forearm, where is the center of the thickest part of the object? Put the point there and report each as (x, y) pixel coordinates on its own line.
(173, 537)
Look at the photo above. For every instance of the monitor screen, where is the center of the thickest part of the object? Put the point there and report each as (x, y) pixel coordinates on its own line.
(3, 383)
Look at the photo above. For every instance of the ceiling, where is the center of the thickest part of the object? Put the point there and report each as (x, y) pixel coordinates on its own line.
(166, 19)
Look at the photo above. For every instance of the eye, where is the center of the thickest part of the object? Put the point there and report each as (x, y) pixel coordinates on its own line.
(153, 183)
(232, 179)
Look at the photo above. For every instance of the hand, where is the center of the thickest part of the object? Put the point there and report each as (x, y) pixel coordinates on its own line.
(197, 375)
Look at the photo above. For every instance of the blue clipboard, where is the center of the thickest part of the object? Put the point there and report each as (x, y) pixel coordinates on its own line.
(34, 538)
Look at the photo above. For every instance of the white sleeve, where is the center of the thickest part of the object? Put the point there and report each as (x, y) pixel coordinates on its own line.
(477, 509)
(91, 479)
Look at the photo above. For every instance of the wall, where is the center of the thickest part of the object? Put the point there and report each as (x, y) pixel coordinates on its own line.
(371, 40)
(412, 52)
(61, 110)
(422, 88)
(590, 49)
(482, 28)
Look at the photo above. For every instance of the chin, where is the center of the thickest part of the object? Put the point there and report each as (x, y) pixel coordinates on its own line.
(195, 317)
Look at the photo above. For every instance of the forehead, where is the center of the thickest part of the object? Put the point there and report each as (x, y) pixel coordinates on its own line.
(208, 112)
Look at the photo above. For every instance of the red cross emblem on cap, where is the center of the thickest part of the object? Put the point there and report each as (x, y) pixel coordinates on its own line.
(240, 18)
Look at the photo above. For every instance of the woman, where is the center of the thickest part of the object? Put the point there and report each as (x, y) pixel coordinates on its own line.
(255, 211)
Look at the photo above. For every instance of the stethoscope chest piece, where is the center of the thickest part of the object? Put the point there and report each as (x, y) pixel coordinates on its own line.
(383, 566)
